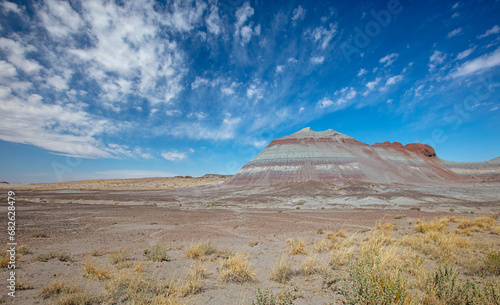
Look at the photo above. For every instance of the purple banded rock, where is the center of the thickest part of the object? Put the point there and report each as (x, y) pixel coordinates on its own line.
(331, 157)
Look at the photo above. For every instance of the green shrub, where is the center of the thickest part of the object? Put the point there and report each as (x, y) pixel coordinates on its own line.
(444, 286)
(492, 262)
(157, 254)
(368, 283)
(267, 297)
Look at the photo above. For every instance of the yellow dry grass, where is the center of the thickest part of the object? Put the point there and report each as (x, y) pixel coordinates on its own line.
(237, 269)
(297, 246)
(94, 271)
(281, 271)
(207, 251)
(309, 265)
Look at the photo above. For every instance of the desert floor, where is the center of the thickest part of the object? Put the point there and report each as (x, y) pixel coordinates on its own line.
(69, 232)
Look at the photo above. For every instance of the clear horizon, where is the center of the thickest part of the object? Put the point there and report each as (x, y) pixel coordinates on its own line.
(104, 89)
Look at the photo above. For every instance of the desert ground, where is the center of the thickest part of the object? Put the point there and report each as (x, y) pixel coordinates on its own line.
(196, 241)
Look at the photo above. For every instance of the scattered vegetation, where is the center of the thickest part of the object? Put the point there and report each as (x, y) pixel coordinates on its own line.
(283, 297)
(492, 262)
(45, 257)
(369, 283)
(94, 271)
(237, 269)
(120, 258)
(56, 288)
(95, 252)
(309, 265)
(297, 246)
(207, 251)
(39, 235)
(282, 271)
(157, 253)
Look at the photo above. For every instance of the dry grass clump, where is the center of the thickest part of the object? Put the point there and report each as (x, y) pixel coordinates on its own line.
(297, 246)
(322, 246)
(479, 224)
(39, 235)
(129, 287)
(237, 269)
(5, 259)
(341, 256)
(193, 283)
(439, 225)
(207, 251)
(56, 288)
(284, 297)
(23, 250)
(157, 253)
(120, 258)
(281, 271)
(341, 233)
(45, 257)
(309, 265)
(492, 262)
(94, 271)
(95, 252)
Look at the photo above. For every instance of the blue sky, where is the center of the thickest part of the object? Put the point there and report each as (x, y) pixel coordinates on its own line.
(116, 89)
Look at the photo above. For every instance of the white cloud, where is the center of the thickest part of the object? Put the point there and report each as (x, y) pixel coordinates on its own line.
(317, 60)
(10, 7)
(173, 112)
(128, 49)
(279, 69)
(63, 129)
(199, 115)
(184, 16)
(199, 81)
(478, 64)
(191, 150)
(388, 59)
(455, 15)
(246, 34)
(7, 70)
(455, 32)
(325, 102)
(418, 90)
(254, 91)
(322, 36)
(173, 155)
(298, 14)
(362, 72)
(214, 23)
(465, 53)
(346, 94)
(493, 30)
(227, 91)
(371, 85)
(243, 13)
(145, 155)
(351, 94)
(58, 82)
(436, 59)
(59, 18)
(197, 131)
(243, 34)
(16, 54)
(260, 144)
(456, 5)
(393, 80)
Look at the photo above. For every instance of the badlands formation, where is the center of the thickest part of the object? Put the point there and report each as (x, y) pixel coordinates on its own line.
(331, 157)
